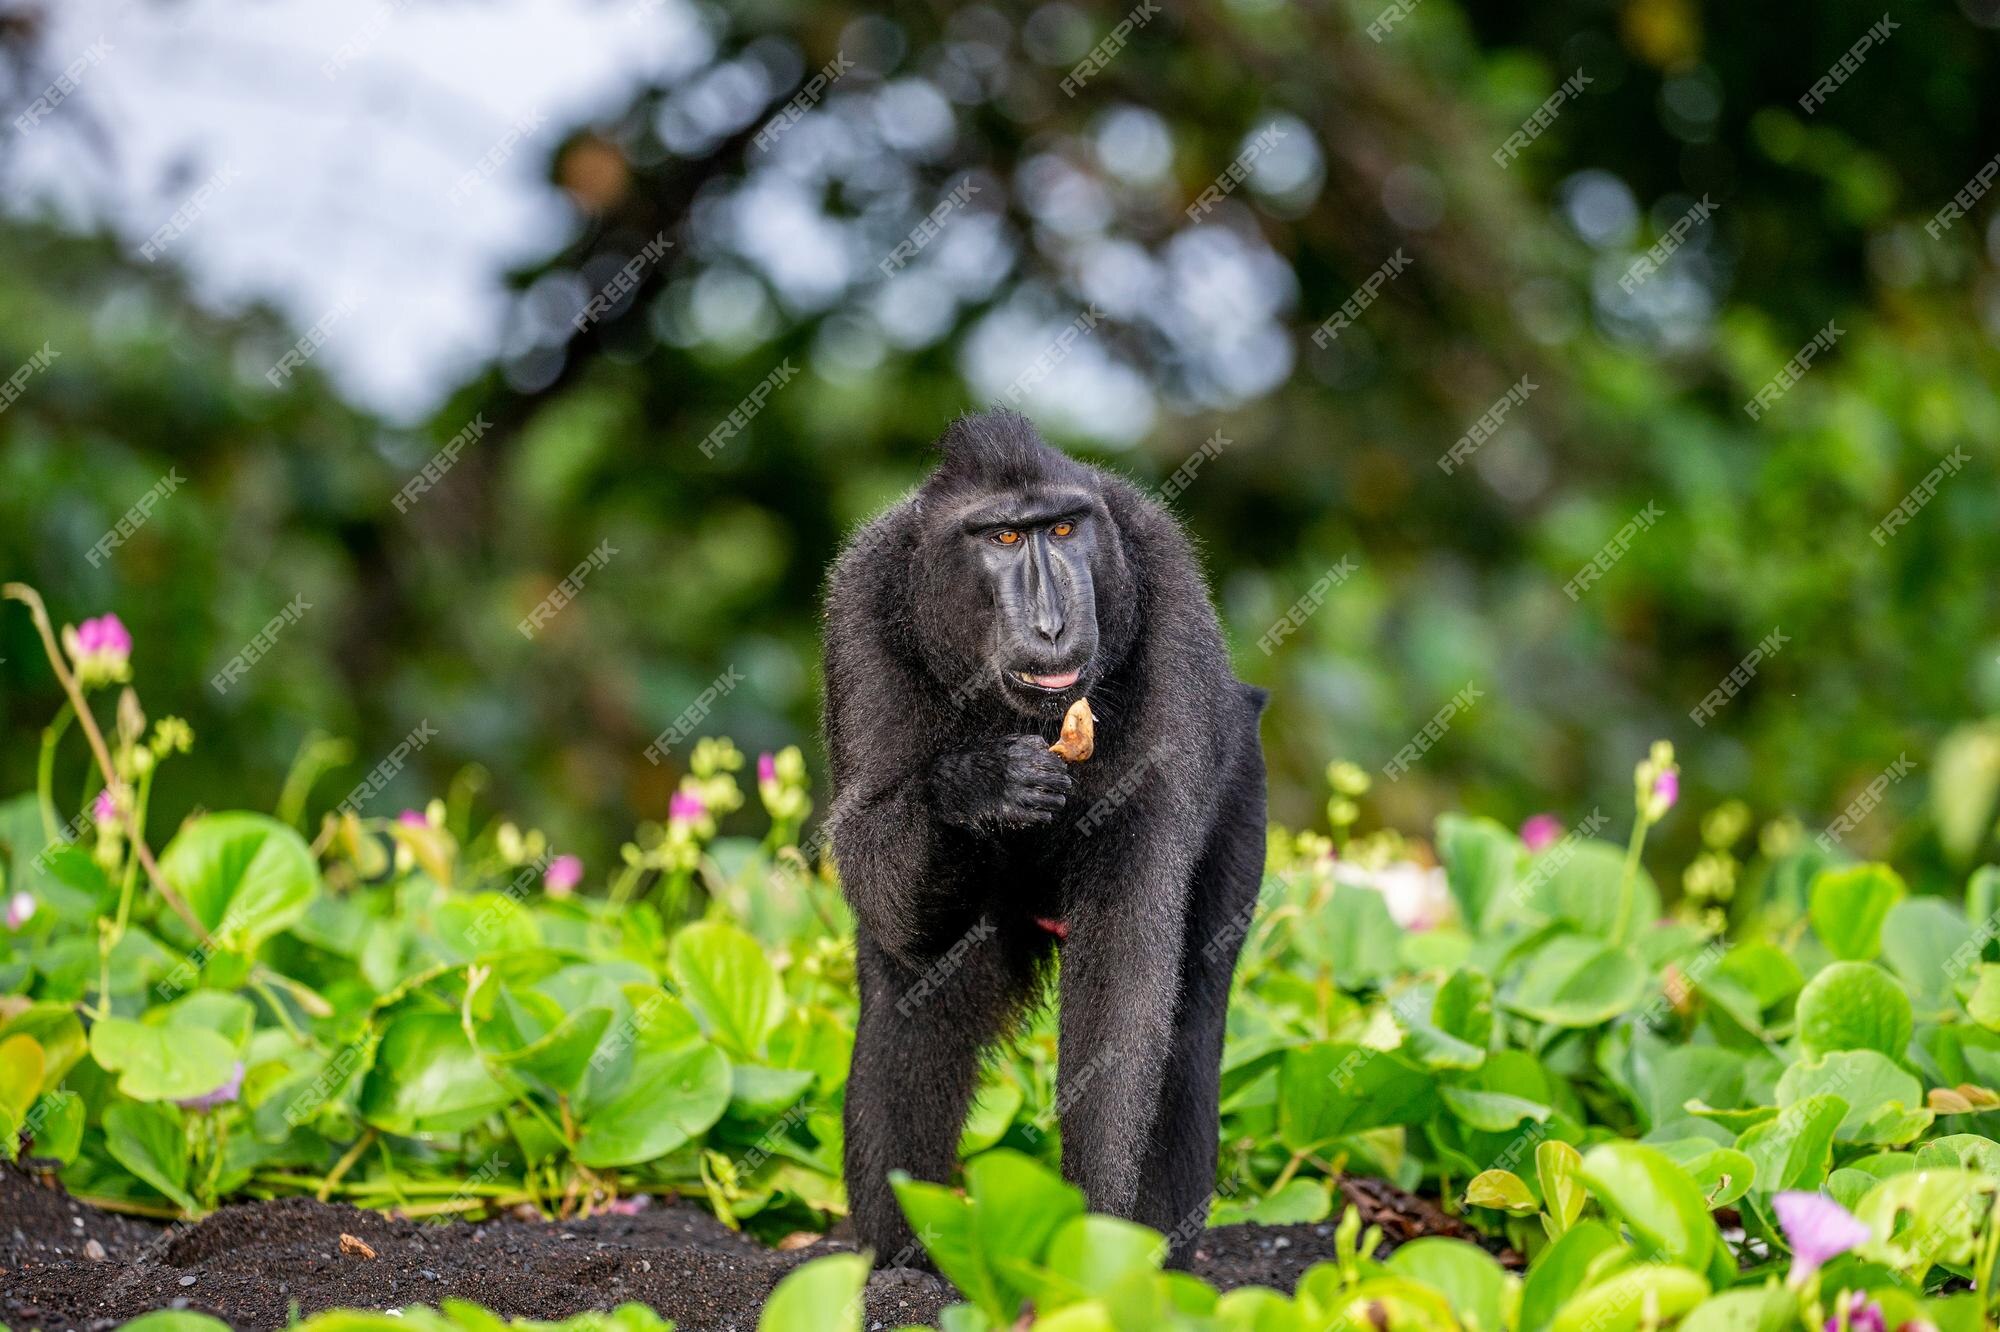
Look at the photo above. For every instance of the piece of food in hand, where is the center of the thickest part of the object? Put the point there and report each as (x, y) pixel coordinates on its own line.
(1079, 733)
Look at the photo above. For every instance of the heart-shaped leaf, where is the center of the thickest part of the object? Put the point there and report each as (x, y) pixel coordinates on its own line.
(244, 876)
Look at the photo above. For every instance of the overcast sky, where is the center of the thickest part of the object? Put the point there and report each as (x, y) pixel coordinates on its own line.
(330, 147)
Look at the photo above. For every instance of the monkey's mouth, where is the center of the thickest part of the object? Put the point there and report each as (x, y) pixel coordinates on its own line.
(1053, 683)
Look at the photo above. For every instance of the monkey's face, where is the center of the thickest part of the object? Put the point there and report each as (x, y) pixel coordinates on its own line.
(1039, 558)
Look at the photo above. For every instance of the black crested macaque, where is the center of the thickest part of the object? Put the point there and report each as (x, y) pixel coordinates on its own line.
(960, 625)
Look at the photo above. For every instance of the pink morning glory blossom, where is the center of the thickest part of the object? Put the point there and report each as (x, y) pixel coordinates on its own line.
(1667, 786)
(20, 910)
(562, 876)
(685, 807)
(231, 1088)
(1539, 831)
(414, 818)
(1818, 1229)
(767, 768)
(104, 809)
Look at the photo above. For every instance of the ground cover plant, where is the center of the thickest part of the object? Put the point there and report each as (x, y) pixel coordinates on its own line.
(1767, 1104)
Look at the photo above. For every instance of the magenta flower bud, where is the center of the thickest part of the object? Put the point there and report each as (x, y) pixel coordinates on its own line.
(20, 910)
(1667, 786)
(685, 807)
(562, 876)
(106, 634)
(414, 818)
(767, 768)
(104, 809)
(1863, 1314)
(1539, 831)
(101, 650)
(231, 1088)
(1818, 1229)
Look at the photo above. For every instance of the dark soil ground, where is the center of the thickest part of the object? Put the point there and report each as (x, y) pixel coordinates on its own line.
(64, 1264)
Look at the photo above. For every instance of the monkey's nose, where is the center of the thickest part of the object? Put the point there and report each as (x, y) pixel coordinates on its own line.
(1049, 623)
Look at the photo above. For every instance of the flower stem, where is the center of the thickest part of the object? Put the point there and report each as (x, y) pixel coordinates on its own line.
(1628, 884)
(32, 599)
(45, 771)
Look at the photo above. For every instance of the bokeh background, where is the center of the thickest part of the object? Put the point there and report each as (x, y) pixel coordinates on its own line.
(432, 192)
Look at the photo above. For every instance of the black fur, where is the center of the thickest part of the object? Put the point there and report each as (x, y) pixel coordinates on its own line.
(955, 829)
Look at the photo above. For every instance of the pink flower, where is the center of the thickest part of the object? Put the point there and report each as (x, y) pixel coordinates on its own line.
(767, 768)
(562, 875)
(1540, 830)
(101, 649)
(231, 1088)
(107, 634)
(1863, 1314)
(414, 818)
(1667, 786)
(630, 1206)
(104, 809)
(20, 910)
(685, 807)
(1818, 1229)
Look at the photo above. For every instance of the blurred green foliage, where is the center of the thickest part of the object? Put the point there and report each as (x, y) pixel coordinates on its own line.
(1639, 398)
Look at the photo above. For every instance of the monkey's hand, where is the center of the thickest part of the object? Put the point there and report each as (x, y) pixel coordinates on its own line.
(1016, 783)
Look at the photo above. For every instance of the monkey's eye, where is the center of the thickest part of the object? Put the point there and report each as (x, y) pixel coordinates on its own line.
(1008, 538)
(1062, 529)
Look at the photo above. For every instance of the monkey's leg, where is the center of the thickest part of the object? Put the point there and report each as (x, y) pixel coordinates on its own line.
(1178, 1174)
(916, 1059)
(1120, 984)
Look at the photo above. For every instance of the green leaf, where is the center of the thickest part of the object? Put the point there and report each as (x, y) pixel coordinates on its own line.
(164, 1062)
(174, 1320)
(1559, 1170)
(1854, 1006)
(822, 1296)
(1919, 938)
(1298, 1202)
(1353, 936)
(1573, 981)
(1848, 907)
(1481, 859)
(673, 1088)
(1772, 1308)
(1465, 1273)
(1650, 1295)
(1464, 1008)
(428, 1079)
(1983, 1004)
(1794, 1150)
(1017, 1204)
(1657, 1200)
(1885, 1103)
(942, 1221)
(1327, 1091)
(244, 876)
(992, 1113)
(149, 1141)
(1965, 780)
(533, 1035)
(730, 984)
(21, 1068)
(1503, 1191)
(1582, 890)
(757, 1092)
(1489, 1111)
(1090, 1256)
(1925, 1217)
(1561, 1270)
